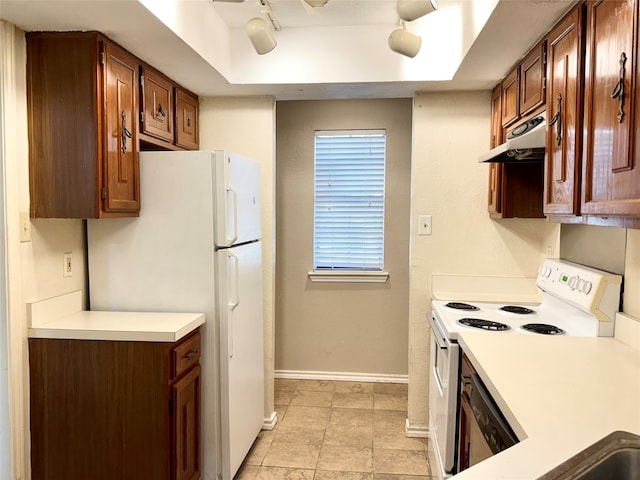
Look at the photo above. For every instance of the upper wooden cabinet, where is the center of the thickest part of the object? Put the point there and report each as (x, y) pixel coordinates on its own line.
(611, 176)
(82, 93)
(495, 169)
(564, 114)
(157, 104)
(523, 89)
(187, 134)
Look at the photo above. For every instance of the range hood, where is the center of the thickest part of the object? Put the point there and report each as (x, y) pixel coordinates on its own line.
(525, 143)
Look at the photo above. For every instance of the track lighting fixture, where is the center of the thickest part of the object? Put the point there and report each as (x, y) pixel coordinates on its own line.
(405, 43)
(409, 10)
(260, 35)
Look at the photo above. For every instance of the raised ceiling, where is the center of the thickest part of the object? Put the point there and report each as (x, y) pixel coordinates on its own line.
(336, 51)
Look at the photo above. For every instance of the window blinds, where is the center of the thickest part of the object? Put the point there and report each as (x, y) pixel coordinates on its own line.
(349, 200)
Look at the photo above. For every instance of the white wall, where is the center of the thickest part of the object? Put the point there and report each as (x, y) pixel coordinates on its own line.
(34, 269)
(247, 126)
(450, 130)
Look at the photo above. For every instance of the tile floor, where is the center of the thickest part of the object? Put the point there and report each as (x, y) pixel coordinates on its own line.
(337, 431)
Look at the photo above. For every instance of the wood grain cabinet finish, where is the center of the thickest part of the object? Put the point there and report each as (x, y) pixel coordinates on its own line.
(564, 114)
(495, 169)
(157, 104)
(187, 111)
(611, 175)
(510, 98)
(105, 410)
(82, 93)
(532, 79)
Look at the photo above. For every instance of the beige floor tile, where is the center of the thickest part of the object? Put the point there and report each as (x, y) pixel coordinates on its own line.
(356, 387)
(283, 397)
(345, 459)
(281, 411)
(389, 401)
(307, 416)
(386, 476)
(352, 400)
(316, 385)
(247, 472)
(311, 398)
(400, 462)
(279, 473)
(386, 419)
(258, 451)
(291, 455)
(286, 384)
(302, 435)
(393, 438)
(392, 388)
(355, 417)
(349, 436)
(327, 475)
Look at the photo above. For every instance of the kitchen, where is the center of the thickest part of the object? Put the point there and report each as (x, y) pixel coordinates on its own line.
(506, 248)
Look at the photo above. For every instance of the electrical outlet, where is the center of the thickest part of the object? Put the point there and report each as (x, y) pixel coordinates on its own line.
(67, 265)
(25, 227)
(424, 225)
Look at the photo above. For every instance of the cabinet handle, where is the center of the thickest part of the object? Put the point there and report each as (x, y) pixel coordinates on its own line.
(161, 111)
(190, 354)
(188, 122)
(618, 90)
(125, 132)
(557, 121)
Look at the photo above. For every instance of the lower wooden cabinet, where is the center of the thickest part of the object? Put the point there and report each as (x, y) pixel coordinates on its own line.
(105, 410)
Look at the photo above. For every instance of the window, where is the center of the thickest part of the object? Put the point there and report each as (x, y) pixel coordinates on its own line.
(349, 201)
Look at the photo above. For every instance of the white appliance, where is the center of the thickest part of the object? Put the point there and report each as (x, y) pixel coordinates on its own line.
(196, 247)
(524, 143)
(576, 301)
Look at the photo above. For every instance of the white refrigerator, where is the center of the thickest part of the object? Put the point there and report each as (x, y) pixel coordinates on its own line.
(196, 247)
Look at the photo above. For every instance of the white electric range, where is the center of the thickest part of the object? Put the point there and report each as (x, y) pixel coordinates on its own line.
(576, 301)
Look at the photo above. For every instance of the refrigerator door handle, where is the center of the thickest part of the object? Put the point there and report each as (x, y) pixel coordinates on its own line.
(233, 205)
(234, 300)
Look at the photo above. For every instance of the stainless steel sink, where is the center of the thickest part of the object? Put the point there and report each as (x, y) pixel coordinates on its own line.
(615, 457)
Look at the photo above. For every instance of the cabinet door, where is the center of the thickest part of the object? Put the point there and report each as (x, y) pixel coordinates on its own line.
(510, 98)
(157, 105)
(121, 182)
(611, 178)
(532, 76)
(495, 169)
(564, 115)
(186, 426)
(186, 120)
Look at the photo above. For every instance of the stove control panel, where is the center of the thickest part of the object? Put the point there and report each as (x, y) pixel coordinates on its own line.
(594, 291)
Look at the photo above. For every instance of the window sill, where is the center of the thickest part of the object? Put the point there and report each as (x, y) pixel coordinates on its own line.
(349, 277)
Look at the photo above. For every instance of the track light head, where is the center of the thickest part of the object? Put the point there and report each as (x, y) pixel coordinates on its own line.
(405, 43)
(260, 35)
(409, 10)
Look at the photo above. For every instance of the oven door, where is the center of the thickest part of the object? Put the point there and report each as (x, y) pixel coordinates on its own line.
(443, 397)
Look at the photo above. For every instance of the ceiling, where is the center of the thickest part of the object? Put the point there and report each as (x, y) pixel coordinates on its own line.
(335, 51)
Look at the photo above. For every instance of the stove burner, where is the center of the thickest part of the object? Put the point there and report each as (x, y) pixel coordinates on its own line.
(461, 306)
(517, 309)
(483, 324)
(543, 328)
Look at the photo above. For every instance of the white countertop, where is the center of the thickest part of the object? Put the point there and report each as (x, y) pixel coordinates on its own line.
(63, 318)
(559, 394)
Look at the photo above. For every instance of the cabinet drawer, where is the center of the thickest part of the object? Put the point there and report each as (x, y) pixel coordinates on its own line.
(185, 355)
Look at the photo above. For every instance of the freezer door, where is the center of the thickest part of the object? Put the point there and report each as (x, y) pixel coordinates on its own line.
(239, 283)
(237, 186)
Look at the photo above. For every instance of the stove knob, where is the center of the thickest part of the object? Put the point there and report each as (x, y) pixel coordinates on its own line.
(572, 282)
(580, 284)
(586, 288)
(548, 271)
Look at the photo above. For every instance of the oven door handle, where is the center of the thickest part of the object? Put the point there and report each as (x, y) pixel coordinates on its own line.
(441, 339)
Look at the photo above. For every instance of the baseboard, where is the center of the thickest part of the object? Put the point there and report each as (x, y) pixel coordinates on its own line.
(417, 431)
(341, 376)
(270, 422)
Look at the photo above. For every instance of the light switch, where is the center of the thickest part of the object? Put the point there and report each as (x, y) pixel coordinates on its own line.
(424, 224)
